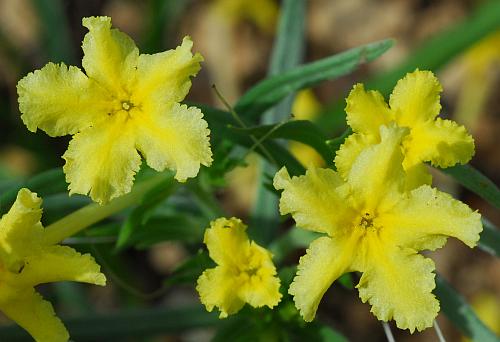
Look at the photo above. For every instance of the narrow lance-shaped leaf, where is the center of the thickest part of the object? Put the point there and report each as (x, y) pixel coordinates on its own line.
(286, 55)
(476, 182)
(432, 54)
(46, 183)
(490, 238)
(140, 215)
(299, 130)
(437, 51)
(127, 324)
(220, 123)
(454, 306)
(271, 90)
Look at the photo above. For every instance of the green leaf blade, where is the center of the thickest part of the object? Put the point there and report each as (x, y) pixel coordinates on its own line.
(271, 90)
(476, 182)
(298, 130)
(458, 311)
(490, 239)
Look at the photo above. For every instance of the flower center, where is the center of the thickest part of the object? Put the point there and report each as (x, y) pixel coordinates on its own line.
(248, 270)
(252, 271)
(127, 105)
(366, 221)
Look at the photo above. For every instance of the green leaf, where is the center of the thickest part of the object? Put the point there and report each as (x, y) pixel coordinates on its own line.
(293, 239)
(335, 143)
(46, 183)
(167, 228)
(190, 270)
(299, 130)
(444, 46)
(346, 281)
(329, 335)
(220, 123)
(56, 34)
(120, 326)
(490, 238)
(476, 182)
(432, 54)
(59, 205)
(162, 18)
(461, 315)
(203, 196)
(239, 328)
(140, 214)
(271, 90)
(287, 54)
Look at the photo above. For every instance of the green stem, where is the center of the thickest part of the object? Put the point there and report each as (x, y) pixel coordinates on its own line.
(205, 200)
(240, 122)
(92, 213)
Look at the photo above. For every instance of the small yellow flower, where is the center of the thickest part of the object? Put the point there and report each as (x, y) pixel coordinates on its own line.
(125, 103)
(374, 226)
(306, 107)
(414, 104)
(27, 261)
(245, 271)
(479, 66)
(263, 13)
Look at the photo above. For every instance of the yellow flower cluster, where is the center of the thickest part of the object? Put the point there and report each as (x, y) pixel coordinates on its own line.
(378, 211)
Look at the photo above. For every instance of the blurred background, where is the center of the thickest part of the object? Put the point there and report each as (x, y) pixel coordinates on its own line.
(236, 39)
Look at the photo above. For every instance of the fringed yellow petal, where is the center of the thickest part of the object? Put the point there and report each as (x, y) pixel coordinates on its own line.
(28, 309)
(165, 77)
(61, 263)
(427, 216)
(310, 199)
(377, 177)
(398, 284)
(226, 240)
(174, 137)
(20, 229)
(261, 285)
(350, 150)
(366, 110)
(61, 100)
(102, 160)
(442, 142)
(325, 260)
(26, 261)
(415, 99)
(110, 56)
(216, 287)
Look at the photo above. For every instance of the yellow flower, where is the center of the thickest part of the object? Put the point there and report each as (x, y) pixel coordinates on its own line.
(263, 13)
(306, 107)
(127, 102)
(374, 226)
(245, 271)
(414, 103)
(27, 261)
(487, 307)
(479, 66)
